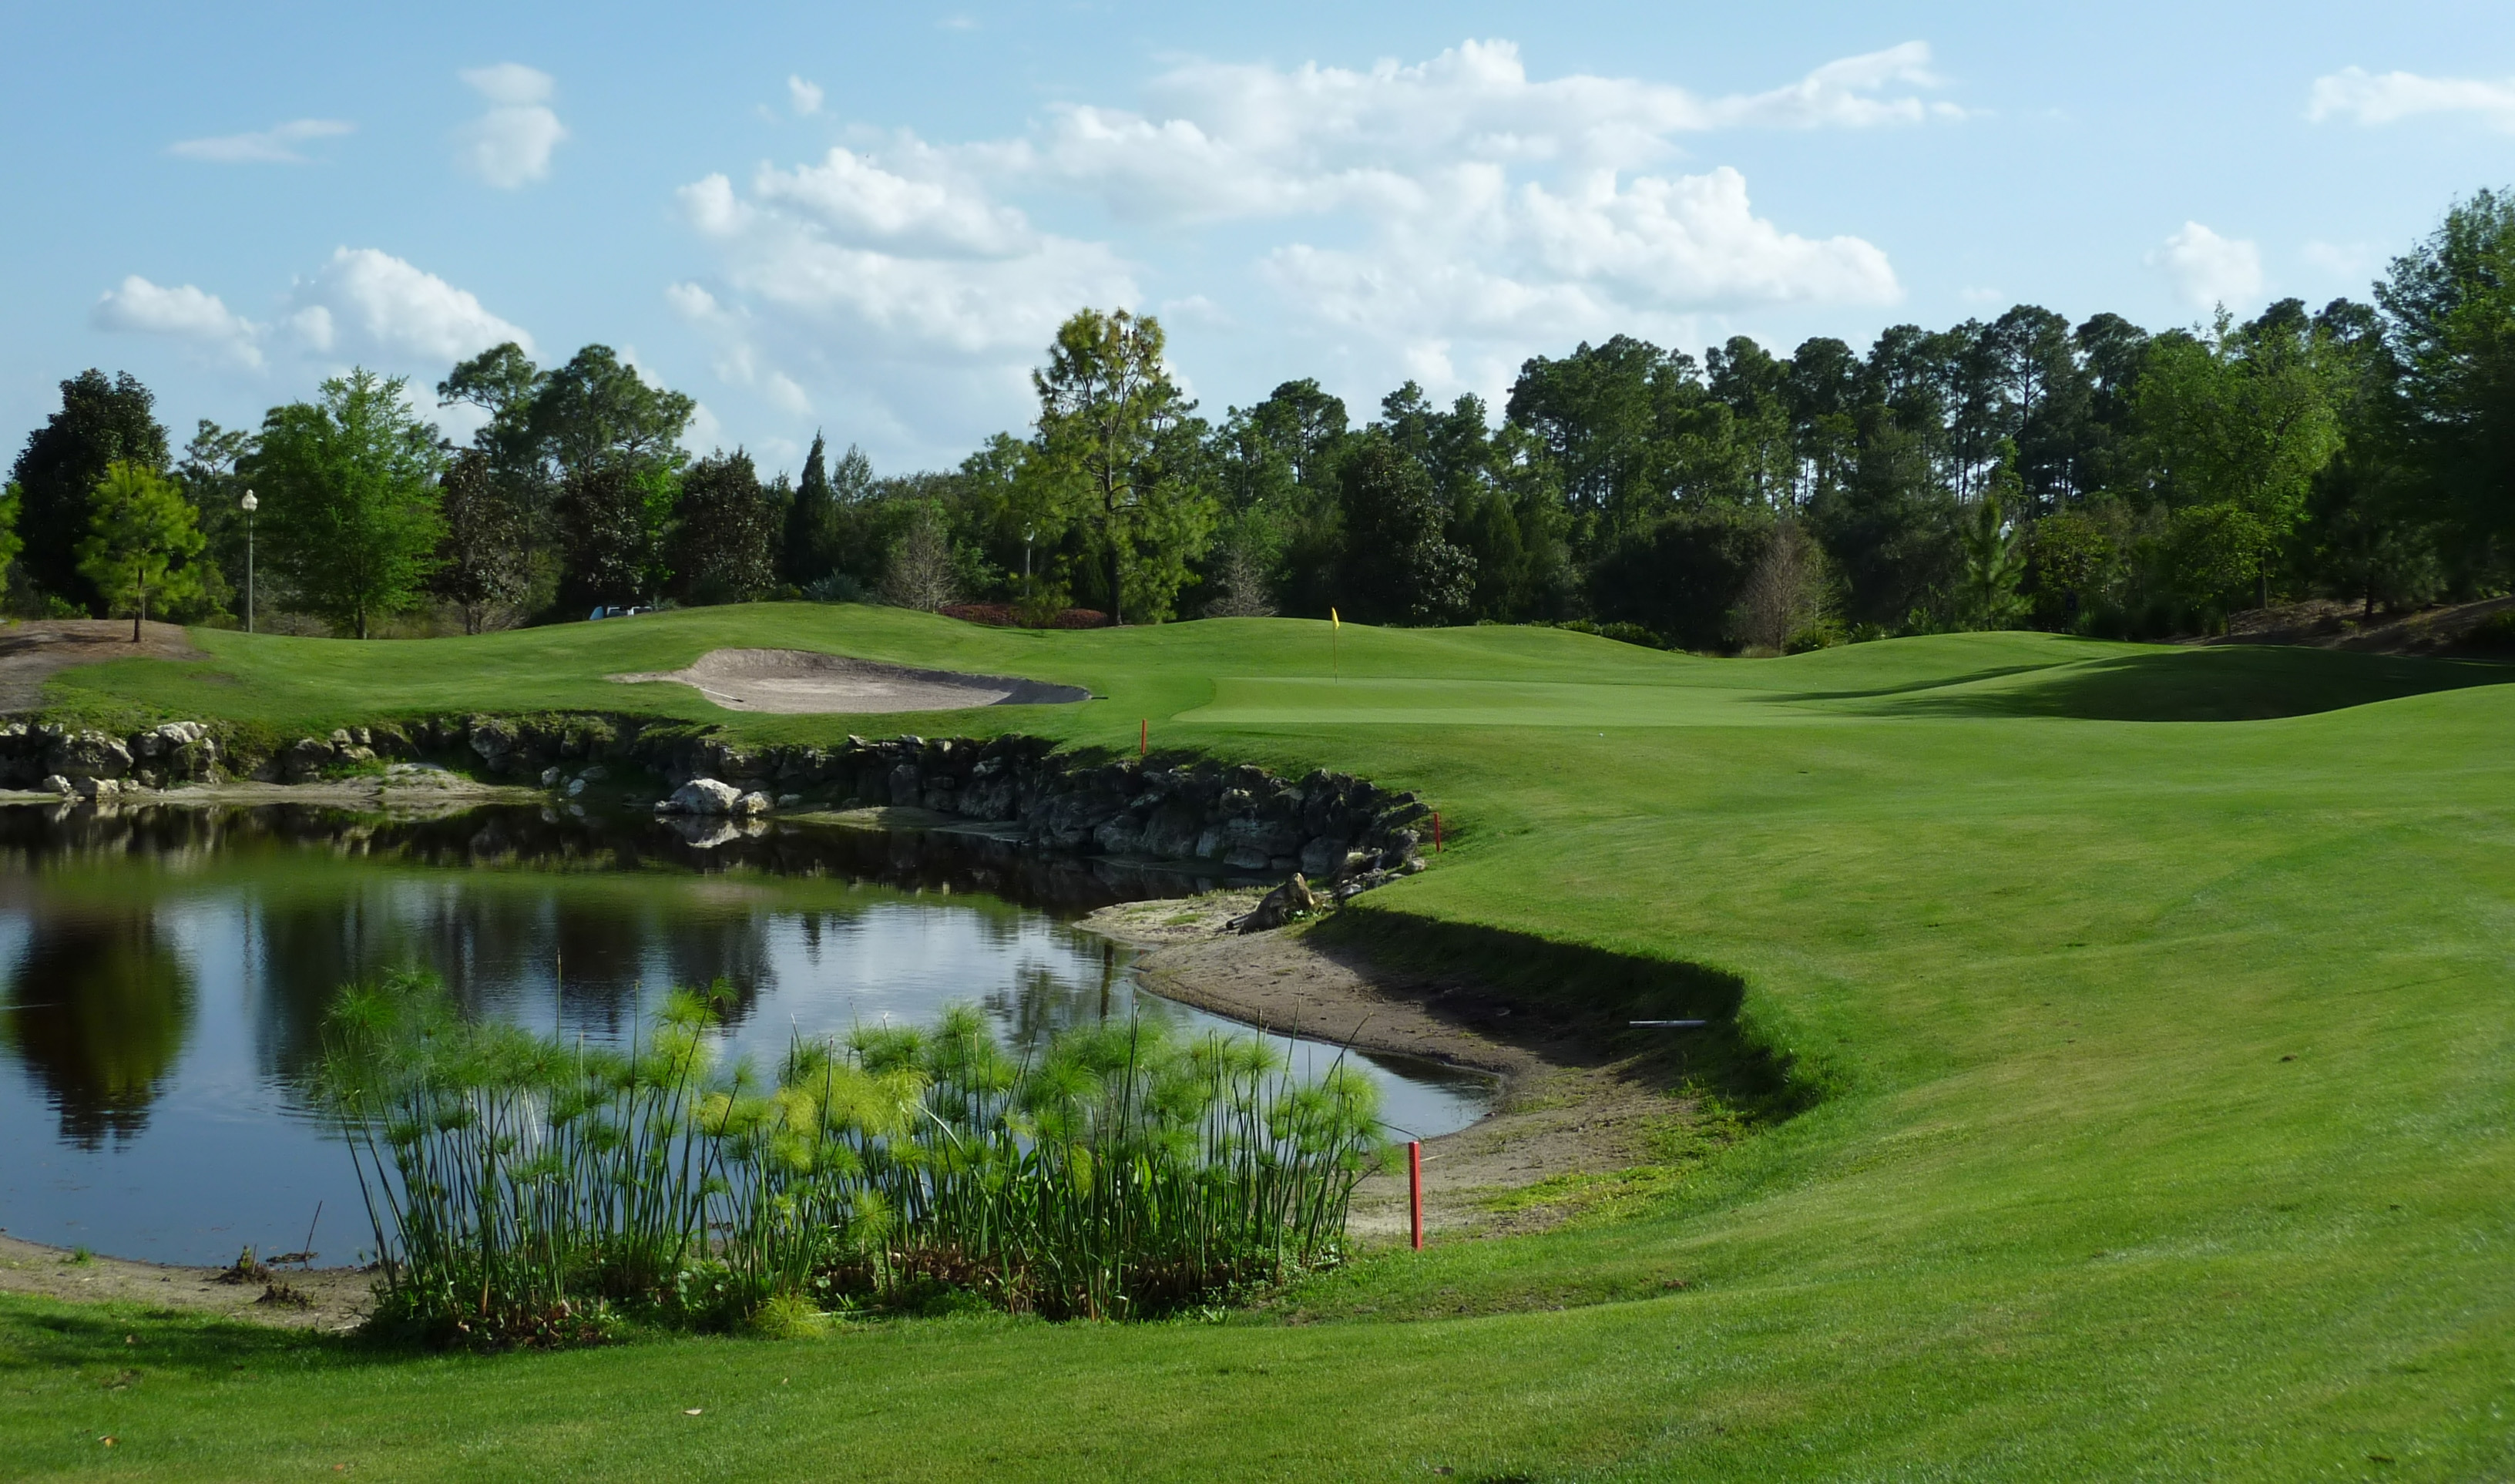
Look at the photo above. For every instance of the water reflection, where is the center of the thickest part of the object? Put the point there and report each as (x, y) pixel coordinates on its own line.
(170, 969)
(100, 1003)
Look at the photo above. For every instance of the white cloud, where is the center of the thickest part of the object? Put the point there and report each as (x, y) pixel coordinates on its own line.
(1446, 217)
(804, 97)
(1235, 140)
(367, 303)
(361, 305)
(183, 312)
(509, 146)
(922, 267)
(2365, 98)
(275, 145)
(2208, 269)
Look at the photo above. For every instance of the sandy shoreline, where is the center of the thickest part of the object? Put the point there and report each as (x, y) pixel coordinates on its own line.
(1561, 1110)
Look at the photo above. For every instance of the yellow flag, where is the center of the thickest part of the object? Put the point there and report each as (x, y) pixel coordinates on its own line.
(1334, 622)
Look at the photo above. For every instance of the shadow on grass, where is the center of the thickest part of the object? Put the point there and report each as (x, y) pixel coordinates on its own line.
(46, 1335)
(1574, 1004)
(1932, 682)
(2230, 683)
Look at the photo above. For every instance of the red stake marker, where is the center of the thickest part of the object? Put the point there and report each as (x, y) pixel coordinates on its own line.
(1436, 832)
(1143, 735)
(1415, 1187)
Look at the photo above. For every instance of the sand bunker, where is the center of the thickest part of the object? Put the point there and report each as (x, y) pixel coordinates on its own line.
(798, 683)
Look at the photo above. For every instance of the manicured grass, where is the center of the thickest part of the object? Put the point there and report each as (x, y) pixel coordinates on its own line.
(2171, 1062)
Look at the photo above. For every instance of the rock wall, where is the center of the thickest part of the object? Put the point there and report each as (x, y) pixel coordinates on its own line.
(1331, 827)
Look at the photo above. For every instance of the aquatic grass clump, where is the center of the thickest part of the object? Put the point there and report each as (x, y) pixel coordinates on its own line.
(527, 1191)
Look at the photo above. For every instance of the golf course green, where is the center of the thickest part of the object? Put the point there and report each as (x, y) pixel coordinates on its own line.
(2152, 1009)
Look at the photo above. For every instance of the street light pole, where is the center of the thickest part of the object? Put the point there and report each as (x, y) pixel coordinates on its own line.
(250, 505)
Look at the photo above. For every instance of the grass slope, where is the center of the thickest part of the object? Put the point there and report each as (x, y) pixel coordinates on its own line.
(2169, 1061)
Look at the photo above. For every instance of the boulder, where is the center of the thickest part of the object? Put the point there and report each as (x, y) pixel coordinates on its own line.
(56, 784)
(1278, 907)
(96, 788)
(753, 803)
(89, 755)
(701, 795)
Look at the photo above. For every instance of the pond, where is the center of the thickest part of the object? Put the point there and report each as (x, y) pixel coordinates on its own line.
(167, 972)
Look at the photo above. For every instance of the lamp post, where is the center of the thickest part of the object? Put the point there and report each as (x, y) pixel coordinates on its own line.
(250, 505)
(1030, 533)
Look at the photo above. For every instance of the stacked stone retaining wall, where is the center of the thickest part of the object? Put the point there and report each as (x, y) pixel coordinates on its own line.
(1333, 827)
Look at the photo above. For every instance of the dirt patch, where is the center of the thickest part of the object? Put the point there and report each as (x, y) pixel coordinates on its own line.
(33, 651)
(2329, 624)
(801, 682)
(1563, 1113)
(298, 1298)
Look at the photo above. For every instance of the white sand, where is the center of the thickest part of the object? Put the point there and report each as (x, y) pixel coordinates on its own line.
(800, 682)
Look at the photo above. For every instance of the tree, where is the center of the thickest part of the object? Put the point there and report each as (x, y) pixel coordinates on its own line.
(726, 532)
(13, 504)
(1113, 426)
(1995, 559)
(139, 538)
(1784, 595)
(1399, 565)
(348, 487)
(920, 571)
(616, 523)
(805, 547)
(100, 422)
(482, 561)
(2450, 321)
(2244, 418)
(597, 410)
(520, 491)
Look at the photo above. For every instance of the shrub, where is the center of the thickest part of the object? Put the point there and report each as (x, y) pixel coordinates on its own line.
(527, 1191)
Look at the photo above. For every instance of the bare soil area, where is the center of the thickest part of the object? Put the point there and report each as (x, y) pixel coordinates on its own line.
(1562, 1112)
(801, 682)
(317, 1298)
(2329, 624)
(32, 651)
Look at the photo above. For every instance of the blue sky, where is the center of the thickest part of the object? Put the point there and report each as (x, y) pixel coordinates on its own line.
(868, 220)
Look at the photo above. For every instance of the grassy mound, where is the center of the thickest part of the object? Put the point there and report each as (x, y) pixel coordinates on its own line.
(2167, 1059)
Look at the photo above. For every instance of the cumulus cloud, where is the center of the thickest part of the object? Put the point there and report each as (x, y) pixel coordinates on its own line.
(922, 267)
(509, 146)
(2208, 269)
(1226, 140)
(804, 97)
(275, 145)
(370, 303)
(183, 312)
(1447, 217)
(362, 305)
(2365, 98)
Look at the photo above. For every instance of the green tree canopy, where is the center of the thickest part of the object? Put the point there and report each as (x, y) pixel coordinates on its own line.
(140, 536)
(1116, 434)
(100, 422)
(348, 485)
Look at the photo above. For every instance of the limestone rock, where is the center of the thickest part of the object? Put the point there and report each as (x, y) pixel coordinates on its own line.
(701, 795)
(1278, 907)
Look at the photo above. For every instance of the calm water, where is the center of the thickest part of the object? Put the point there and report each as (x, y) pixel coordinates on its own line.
(167, 972)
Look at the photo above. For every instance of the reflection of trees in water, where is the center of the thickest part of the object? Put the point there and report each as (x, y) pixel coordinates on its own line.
(1039, 1002)
(493, 936)
(100, 1005)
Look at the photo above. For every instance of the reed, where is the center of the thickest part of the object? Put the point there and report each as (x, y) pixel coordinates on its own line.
(526, 1190)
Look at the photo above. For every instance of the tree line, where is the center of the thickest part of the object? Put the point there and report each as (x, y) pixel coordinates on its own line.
(2023, 470)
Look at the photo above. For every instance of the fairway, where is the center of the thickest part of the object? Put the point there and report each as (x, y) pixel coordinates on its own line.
(2154, 1010)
